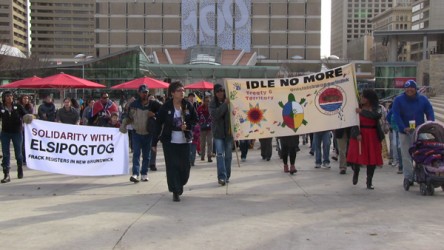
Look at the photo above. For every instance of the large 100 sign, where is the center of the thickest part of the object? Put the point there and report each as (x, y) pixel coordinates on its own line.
(211, 22)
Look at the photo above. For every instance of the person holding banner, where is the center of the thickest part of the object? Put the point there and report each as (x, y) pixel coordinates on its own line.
(289, 149)
(11, 115)
(365, 146)
(176, 119)
(322, 153)
(266, 148)
(222, 136)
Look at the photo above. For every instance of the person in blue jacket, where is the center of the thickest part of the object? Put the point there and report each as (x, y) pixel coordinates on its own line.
(410, 106)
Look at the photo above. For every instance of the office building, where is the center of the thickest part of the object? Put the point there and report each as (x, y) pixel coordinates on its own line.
(62, 29)
(394, 19)
(351, 19)
(14, 25)
(427, 15)
(273, 29)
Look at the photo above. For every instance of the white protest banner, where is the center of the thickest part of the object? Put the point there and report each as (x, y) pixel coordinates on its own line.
(75, 150)
(262, 108)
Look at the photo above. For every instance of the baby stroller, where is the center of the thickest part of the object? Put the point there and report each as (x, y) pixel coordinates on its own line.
(427, 152)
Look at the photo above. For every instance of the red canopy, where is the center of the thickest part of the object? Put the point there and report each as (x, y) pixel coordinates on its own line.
(134, 84)
(200, 85)
(17, 84)
(61, 81)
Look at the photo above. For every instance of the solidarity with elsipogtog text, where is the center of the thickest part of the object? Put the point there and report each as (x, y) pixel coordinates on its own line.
(71, 148)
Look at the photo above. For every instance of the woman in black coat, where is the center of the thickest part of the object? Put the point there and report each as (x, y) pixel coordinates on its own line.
(175, 120)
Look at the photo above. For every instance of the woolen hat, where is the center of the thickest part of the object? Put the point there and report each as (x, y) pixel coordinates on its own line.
(410, 84)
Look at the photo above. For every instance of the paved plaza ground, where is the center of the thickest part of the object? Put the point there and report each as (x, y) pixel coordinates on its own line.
(262, 208)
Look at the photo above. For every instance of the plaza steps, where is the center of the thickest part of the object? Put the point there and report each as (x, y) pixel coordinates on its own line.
(438, 107)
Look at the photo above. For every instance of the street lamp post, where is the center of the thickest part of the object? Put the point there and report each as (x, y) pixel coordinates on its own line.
(84, 58)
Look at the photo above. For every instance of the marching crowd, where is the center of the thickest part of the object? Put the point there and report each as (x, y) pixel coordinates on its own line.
(187, 128)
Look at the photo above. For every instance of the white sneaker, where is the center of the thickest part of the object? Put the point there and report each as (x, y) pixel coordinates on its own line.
(326, 165)
(144, 178)
(134, 179)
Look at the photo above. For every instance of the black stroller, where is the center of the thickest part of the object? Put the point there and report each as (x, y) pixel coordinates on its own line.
(427, 152)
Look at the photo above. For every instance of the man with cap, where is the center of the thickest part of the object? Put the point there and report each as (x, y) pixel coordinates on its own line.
(410, 107)
(139, 113)
(11, 115)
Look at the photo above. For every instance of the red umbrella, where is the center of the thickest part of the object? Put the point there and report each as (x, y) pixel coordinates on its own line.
(200, 85)
(134, 84)
(17, 84)
(61, 81)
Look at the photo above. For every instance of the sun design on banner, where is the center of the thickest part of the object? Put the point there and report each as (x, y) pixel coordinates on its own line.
(293, 113)
(255, 115)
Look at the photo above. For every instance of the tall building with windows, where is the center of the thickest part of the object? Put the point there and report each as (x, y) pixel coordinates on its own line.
(394, 19)
(351, 19)
(274, 29)
(427, 14)
(14, 24)
(61, 29)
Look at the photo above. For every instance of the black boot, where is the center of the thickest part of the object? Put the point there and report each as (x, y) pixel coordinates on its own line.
(20, 172)
(6, 177)
(356, 169)
(176, 197)
(370, 172)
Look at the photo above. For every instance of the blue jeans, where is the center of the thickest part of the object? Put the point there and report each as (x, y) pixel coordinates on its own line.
(17, 141)
(244, 145)
(322, 157)
(223, 157)
(141, 143)
(193, 148)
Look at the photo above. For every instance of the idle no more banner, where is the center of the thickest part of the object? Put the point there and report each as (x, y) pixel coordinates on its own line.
(75, 150)
(262, 108)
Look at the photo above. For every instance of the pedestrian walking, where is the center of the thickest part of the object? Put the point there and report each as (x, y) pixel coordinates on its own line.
(222, 136)
(410, 106)
(365, 146)
(11, 115)
(176, 120)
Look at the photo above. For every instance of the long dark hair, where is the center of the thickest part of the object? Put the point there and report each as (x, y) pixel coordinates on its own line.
(28, 106)
(371, 96)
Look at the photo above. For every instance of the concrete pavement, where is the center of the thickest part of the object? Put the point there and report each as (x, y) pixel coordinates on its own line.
(262, 208)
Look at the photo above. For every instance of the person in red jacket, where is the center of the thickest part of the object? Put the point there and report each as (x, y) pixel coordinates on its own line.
(102, 110)
(365, 146)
